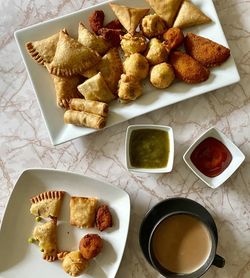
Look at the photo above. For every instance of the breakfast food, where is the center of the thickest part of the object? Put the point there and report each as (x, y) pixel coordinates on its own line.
(72, 262)
(45, 234)
(136, 65)
(47, 204)
(152, 25)
(190, 15)
(66, 89)
(156, 52)
(90, 106)
(187, 69)
(96, 20)
(205, 51)
(173, 38)
(103, 218)
(71, 57)
(82, 211)
(90, 246)
(43, 51)
(162, 75)
(129, 88)
(129, 17)
(133, 44)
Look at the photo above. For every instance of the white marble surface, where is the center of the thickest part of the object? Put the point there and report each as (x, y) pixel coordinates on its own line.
(25, 143)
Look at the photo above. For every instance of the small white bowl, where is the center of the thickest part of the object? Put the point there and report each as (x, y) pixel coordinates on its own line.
(237, 158)
(168, 130)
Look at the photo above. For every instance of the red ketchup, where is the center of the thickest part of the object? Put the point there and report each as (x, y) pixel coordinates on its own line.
(211, 157)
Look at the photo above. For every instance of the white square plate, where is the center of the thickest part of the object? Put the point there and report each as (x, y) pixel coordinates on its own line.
(22, 259)
(152, 98)
(237, 158)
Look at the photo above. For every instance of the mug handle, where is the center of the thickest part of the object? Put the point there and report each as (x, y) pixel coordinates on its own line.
(218, 261)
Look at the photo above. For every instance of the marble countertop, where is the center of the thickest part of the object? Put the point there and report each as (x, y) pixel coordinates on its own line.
(25, 143)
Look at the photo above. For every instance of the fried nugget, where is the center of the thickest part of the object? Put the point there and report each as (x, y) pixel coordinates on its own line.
(111, 35)
(205, 51)
(173, 38)
(90, 246)
(96, 20)
(103, 218)
(114, 24)
(187, 69)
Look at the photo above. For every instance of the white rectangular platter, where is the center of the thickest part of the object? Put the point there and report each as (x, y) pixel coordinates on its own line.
(152, 98)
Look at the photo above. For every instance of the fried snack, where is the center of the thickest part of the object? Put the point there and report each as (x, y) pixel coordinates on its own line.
(113, 36)
(103, 218)
(129, 17)
(205, 51)
(152, 25)
(166, 9)
(89, 106)
(71, 57)
(90, 246)
(187, 69)
(83, 210)
(156, 52)
(95, 88)
(43, 51)
(66, 89)
(96, 20)
(133, 44)
(114, 24)
(190, 15)
(173, 38)
(162, 75)
(91, 40)
(73, 262)
(47, 204)
(90, 72)
(137, 66)
(45, 234)
(129, 88)
(81, 118)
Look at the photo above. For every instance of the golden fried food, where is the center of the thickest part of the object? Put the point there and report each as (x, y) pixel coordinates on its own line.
(187, 69)
(152, 25)
(133, 44)
(207, 52)
(103, 218)
(137, 66)
(162, 75)
(156, 52)
(129, 88)
(96, 20)
(173, 38)
(90, 246)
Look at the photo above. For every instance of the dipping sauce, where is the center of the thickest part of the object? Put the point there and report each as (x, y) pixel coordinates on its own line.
(181, 243)
(211, 157)
(149, 148)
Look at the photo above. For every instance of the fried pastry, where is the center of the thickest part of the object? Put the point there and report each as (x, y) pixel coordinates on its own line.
(205, 51)
(90, 72)
(187, 69)
(71, 57)
(136, 65)
(82, 118)
(45, 234)
(162, 75)
(133, 44)
(83, 211)
(113, 36)
(173, 38)
(129, 17)
(129, 88)
(66, 89)
(90, 106)
(96, 20)
(43, 51)
(90, 246)
(156, 52)
(95, 88)
(103, 218)
(153, 25)
(190, 15)
(47, 204)
(91, 40)
(166, 9)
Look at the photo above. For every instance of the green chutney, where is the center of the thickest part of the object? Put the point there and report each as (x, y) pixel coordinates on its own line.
(149, 148)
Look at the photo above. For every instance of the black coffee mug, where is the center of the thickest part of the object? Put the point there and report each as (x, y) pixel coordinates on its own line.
(171, 207)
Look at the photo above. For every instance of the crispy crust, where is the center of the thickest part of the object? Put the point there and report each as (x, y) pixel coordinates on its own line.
(34, 53)
(47, 195)
(103, 218)
(90, 246)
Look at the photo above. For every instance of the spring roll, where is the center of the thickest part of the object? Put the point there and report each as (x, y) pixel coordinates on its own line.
(90, 106)
(81, 118)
